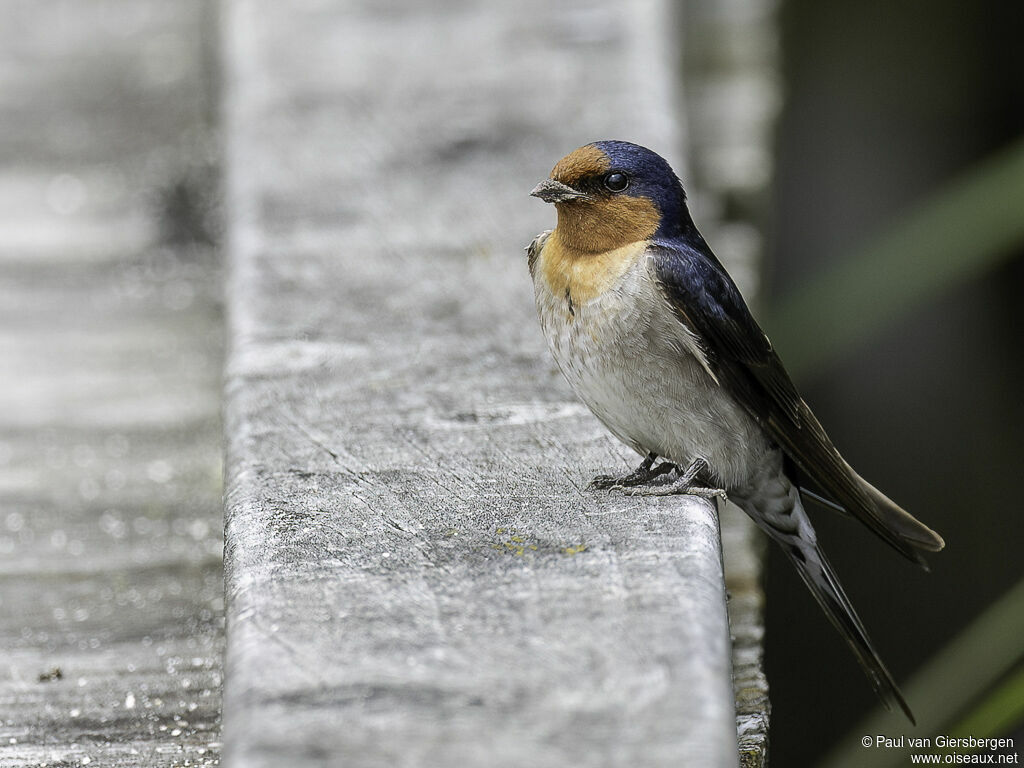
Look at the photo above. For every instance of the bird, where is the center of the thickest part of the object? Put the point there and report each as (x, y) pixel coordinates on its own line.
(654, 337)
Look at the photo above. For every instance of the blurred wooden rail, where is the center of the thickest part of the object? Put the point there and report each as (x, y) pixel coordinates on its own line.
(416, 572)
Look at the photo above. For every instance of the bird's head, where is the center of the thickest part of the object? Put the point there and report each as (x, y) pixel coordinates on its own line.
(612, 193)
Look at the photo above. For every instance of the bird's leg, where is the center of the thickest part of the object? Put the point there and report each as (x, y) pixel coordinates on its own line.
(684, 484)
(642, 474)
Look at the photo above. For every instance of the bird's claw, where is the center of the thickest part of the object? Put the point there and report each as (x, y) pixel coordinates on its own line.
(604, 482)
(639, 476)
(685, 484)
(677, 489)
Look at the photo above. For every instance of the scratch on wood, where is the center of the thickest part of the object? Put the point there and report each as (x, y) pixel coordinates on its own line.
(322, 445)
(433, 461)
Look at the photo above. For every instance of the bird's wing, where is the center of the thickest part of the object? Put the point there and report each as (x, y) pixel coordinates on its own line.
(706, 300)
(534, 248)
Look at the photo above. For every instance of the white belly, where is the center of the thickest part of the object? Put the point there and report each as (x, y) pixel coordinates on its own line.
(635, 365)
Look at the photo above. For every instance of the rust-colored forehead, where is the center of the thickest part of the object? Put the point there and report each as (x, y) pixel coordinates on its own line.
(583, 162)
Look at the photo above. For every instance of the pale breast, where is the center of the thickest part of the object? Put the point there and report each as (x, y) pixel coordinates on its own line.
(640, 370)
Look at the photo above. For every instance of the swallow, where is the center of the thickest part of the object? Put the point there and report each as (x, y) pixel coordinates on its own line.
(653, 336)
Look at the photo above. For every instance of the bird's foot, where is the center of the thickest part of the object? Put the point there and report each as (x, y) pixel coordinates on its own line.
(677, 488)
(639, 476)
(686, 484)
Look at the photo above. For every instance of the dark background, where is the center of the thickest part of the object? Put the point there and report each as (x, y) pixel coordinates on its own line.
(885, 103)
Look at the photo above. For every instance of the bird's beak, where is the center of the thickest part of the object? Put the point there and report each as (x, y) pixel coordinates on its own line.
(551, 191)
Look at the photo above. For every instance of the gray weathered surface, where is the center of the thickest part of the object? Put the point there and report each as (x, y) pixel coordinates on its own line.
(416, 573)
(110, 355)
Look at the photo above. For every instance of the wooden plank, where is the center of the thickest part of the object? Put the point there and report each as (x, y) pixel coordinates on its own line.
(416, 572)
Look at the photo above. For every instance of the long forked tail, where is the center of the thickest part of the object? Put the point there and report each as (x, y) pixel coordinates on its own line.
(775, 506)
(821, 579)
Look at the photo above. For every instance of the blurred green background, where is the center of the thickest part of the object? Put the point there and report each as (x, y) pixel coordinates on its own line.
(898, 163)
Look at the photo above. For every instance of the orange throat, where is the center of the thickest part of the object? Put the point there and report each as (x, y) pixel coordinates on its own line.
(585, 275)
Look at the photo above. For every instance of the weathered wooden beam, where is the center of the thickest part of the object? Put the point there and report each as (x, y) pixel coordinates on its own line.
(417, 574)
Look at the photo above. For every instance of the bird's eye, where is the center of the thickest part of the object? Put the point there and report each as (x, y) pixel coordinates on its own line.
(616, 181)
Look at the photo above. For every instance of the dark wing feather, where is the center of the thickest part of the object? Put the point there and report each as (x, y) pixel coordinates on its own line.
(534, 248)
(705, 298)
